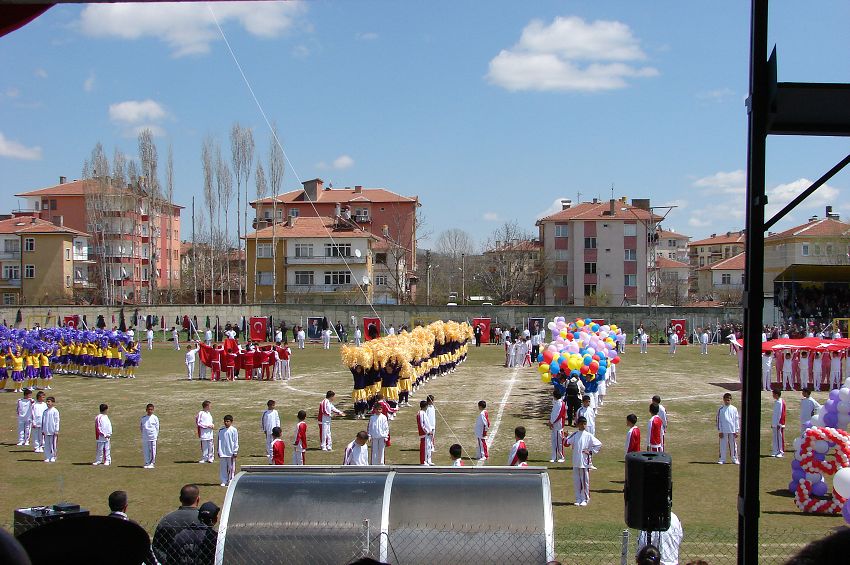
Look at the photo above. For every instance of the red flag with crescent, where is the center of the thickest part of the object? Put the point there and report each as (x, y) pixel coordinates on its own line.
(258, 325)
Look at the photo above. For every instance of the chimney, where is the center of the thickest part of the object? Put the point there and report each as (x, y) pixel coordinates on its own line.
(63, 180)
(59, 221)
(312, 189)
(611, 207)
(33, 220)
(358, 189)
(596, 201)
(813, 219)
(566, 204)
(641, 203)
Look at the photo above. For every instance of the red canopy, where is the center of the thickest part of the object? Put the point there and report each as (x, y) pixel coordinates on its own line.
(810, 343)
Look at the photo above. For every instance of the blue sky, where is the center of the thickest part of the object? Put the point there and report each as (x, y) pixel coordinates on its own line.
(488, 111)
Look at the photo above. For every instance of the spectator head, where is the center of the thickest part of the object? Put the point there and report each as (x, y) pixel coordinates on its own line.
(653, 408)
(208, 513)
(648, 555)
(190, 495)
(631, 419)
(519, 432)
(118, 501)
(455, 451)
(830, 550)
(522, 455)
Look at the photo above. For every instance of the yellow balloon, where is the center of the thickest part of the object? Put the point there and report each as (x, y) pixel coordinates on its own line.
(563, 333)
(546, 378)
(580, 323)
(543, 368)
(613, 327)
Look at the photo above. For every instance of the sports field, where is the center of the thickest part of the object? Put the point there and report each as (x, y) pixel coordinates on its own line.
(691, 386)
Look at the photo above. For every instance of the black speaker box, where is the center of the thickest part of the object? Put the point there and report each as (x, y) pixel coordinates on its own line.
(29, 518)
(649, 491)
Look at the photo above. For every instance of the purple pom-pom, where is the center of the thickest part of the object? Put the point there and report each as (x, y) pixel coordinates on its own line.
(831, 420)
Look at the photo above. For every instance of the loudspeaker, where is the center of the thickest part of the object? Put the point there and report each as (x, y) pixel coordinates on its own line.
(29, 518)
(649, 491)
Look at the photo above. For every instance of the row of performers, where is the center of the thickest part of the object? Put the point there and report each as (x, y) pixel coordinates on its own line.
(394, 379)
(35, 366)
(266, 362)
(810, 362)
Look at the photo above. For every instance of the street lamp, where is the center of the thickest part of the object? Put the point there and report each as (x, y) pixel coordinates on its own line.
(463, 278)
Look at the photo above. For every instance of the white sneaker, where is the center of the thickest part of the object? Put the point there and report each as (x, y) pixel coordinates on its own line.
(551, 461)
(561, 460)
(53, 460)
(202, 461)
(107, 464)
(96, 463)
(20, 443)
(223, 484)
(721, 462)
(592, 468)
(583, 503)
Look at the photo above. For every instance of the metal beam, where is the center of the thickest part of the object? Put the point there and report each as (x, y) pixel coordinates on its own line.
(806, 193)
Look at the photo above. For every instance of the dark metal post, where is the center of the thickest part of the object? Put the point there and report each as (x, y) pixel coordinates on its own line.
(748, 490)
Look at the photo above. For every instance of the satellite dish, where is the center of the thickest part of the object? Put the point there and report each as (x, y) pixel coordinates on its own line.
(365, 279)
(357, 253)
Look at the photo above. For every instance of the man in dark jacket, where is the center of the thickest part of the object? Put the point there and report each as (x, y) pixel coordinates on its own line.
(172, 524)
(195, 545)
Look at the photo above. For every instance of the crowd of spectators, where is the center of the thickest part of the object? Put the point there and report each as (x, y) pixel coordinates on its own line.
(818, 302)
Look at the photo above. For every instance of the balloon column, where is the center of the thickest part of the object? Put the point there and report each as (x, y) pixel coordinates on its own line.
(582, 349)
(810, 464)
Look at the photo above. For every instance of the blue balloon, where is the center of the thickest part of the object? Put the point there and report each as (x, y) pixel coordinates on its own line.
(819, 489)
(792, 487)
(588, 321)
(845, 511)
(830, 420)
(601, 372)
(575, 373)
(798, 474)
(595, 327)
(539, 357)
(795, 465)
(833, 394)
(554, 368)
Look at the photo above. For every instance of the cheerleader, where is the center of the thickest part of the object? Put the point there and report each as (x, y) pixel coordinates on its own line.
(30, 373)
(45, 373)
(4, 373)
(17, 369)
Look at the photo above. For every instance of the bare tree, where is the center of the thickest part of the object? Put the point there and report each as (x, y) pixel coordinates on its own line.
(169, 197)
(262, 190)
(242, 156)
(513, 266)
(207, 156)
(95, 171)
(224, 182)
(149, 160)
(276, 170)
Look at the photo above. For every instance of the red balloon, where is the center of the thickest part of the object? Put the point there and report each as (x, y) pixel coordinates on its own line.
(595, 357)
(547, 356)
(615, 360)
(570, 337)
(594, 366)
(584, 369)
(564, 366)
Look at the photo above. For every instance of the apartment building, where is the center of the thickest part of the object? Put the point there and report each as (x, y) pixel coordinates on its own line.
(671, 245)
(382, 213)
(671, 281)
(135, 239)
(42, 263)
(708, 251)
(722, 281)
(600, 252)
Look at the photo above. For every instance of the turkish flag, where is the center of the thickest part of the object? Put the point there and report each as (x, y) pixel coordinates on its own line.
(485, 328)
(72, 321)
(258, 328)
(681, 328)
(371, 328)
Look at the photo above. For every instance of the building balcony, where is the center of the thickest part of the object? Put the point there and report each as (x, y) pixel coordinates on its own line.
(320, 288)
(83, 283)
(10, 256)
(321, 260)
(10, 283)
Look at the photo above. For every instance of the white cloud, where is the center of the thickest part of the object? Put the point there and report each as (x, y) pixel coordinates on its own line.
(779, 196)
(88, 84)
(367, 36)
(135, 111)
(733, 182)
(188, 29)
(343, 162)
(570, 55)
(490, 216)
(12, 92)
(555, 206)
(14, 150)
(40, 73)
(717, 95)
(301, 51)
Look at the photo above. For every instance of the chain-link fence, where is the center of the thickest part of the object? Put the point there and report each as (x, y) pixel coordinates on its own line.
(337, 543)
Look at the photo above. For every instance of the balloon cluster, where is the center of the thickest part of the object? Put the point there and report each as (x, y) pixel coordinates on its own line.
(582, 349)
(810, 464)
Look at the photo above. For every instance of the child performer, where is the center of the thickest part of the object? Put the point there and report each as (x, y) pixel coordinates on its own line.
(522, 457)
(633, 435)
(278, 447)
(767, 362)
(17, 369)
(38, 409)
(379, 433)
(24, 412)
(191, 353)
(423, 425)
(228, 449)
(205, 425)
(149, 427)
(519, 444)
(326, 412)
(50, 429)
(300, 442)
(44, 372)
(269, 421)
(778, 424)
(455, 453)
(557, 418)
(103, 436)
(482, 426)
(584, 444)
(357, 452)
(728, 427)
(808, 408)
(654, 430)
(588, 412)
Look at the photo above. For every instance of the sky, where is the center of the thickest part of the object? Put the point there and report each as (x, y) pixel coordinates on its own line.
(489, 112)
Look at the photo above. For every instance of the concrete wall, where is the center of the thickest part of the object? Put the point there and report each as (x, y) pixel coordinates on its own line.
(627, 317)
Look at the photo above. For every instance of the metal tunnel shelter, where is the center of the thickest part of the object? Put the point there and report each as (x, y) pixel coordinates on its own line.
(401, 515)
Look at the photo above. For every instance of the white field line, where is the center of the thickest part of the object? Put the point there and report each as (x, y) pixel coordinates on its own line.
(491, 437)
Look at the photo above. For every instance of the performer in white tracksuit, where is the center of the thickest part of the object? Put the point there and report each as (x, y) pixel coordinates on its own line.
(817, 370)
(557, 418)
(482, 428)
(357, 452)
(269, 421)
(766, 367)
(423, 426)
(228, 449)
(804, 369)
(808, 408)
(379, 431)
(50, 429)
(150, 338)
(703, 343)
(326, 339)
(23, 409)
(149, 426)
(38, 409)
(103, 436)
(358, 336)
(835, 371)
(584, 444)
(204, 422)
(728, 427)
(175, 335)
(326, 412)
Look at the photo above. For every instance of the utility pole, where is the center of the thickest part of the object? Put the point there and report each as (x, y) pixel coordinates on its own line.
(463, 278)
(428, 277)
(194, 257)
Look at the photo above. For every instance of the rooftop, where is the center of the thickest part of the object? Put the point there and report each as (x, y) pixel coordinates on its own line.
(670, 234)
(722, 239)
(665, 263)
(346, 195)
(307, 226)
(601, 211)
(824, 227)
(735, 263)
(33, 225)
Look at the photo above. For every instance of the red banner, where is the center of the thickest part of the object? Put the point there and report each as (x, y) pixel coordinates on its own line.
(484, 324)
(600, 322)
(72, 321)
(681, 329)
(258, 328)
(371, 328)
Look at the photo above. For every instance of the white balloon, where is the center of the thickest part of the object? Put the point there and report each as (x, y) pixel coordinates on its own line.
(814, 478)
(844, 394)
(843, 406)
(816, 420)
(797, 443)
(821, 446)
(843, 420)
(841, 482)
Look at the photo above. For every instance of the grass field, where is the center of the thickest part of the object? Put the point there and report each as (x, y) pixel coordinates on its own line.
(690, 385)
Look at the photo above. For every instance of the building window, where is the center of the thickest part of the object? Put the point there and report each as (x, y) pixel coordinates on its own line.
(381, 258)
(817, 250)
(562, 230)
(590, 243)
(671, 243)
(361, 214)
(565, 280)
(381, 280)
(828, 249)
(303, 250)
(337, 250)
(29, 244)
(631, 255)
(629, 230)
(53, 204)
(9, 298)
(280, 213)
(264, 251)
(804, 249)
(68, 254)
(14, 246)
(29, 271)
(11, 272)
(293, 213)
(562, 254)
(631, 280)
(702, 261)
(590, 290)
(726, 278)
(67, 281)
(303, 277)
(590, 268)
(337, 277)
(267, 214)
(264, 278)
